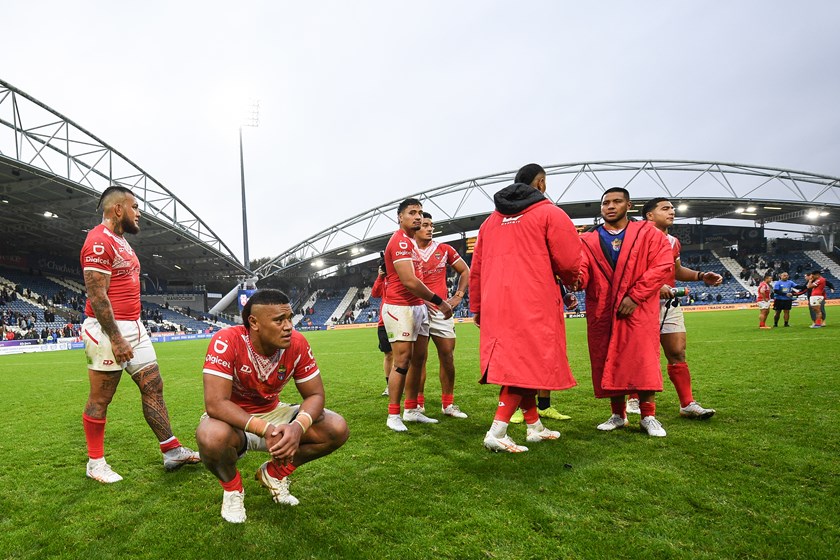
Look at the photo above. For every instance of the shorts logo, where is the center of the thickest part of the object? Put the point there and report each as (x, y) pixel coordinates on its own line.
(220, 346)
(107, 362)
(406, 333)
(403, 245)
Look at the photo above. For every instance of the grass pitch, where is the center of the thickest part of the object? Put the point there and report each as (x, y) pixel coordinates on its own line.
(759, 480)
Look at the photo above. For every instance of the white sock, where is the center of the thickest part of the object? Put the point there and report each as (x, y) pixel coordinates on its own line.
(536, 426)
(498, 429)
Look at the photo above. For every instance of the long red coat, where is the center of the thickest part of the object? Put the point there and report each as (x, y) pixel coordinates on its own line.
(625, 352)
(513, 288)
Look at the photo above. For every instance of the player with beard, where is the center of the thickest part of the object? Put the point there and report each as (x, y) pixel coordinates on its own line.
(437, 258)
(406, 317)
(114, 337)
(660, 212)
(625, 264)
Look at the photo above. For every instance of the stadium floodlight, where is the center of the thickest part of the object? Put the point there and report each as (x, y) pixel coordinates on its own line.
(739, 210)
(812, 215)
(318, 262)
(824, 213)
(49, 214)
(682, 207)
(176, 266)
(750, 208)
(252, 119)
(4, 201)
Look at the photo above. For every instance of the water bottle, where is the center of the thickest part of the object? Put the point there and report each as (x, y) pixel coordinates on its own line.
(679, 292)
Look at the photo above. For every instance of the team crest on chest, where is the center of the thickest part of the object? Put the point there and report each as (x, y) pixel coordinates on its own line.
(616, 245)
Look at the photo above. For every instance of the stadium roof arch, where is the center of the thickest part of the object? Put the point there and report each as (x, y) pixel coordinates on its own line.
(52, 172)
(711, 192)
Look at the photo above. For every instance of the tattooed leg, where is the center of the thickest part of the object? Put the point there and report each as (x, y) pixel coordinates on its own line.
(150, 383)
(103, 385)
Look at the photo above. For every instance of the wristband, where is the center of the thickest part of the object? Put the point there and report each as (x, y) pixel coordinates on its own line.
(302, 413)
(299, 423)
(436, 299)
(256, 426)
(700, 275)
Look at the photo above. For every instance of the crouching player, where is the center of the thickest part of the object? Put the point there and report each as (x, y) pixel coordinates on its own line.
(245, 369)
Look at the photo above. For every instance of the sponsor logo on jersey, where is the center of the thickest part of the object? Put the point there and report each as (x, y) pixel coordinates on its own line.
(511, 220)
(98, 248)
(216, 360)
(220, 346)
(403, 245)
(97, 260)
(246, 369)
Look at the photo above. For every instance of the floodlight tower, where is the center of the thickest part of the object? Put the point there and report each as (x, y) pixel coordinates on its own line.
(252, 119)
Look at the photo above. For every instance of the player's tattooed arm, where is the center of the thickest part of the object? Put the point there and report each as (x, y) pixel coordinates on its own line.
(96, 285)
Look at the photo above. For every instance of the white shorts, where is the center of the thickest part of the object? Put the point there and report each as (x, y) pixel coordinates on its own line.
(100, 356)
(283, 414)
(404, 323)
(764, 305)
(673, 321)
(816, 301)
(440, 327)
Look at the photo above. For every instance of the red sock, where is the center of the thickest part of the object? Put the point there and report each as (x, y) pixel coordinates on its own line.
(618, 406)
(528, 404)
(94, 436)
(421, 399)
(761, 324)
(410, 405)
(234, 485)
(280, 471)
(393, 408)
(508, 403)
(678, 373)
(633, 396)
(648, 408)
(446, 400)
(818, 322)
(169, 444)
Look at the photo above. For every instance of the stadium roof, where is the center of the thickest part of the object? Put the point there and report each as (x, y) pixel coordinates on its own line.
(52, 172)
(712, 192)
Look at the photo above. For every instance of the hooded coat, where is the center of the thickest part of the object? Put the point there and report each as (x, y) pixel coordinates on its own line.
(521, 248)
(624, 352)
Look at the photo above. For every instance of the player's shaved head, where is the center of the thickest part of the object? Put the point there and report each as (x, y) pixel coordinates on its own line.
(529, 174)
(262, 297)
(112, 196)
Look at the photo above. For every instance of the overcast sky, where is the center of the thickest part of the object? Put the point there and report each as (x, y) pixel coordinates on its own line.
(365, 102)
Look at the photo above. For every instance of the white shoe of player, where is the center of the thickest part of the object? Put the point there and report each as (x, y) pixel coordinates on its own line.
(395, 423)
(99, 470)
(695, 411)
(652, 426)
(414, 415)
(535, 436)
(178, 457)
(493, 443)
(279, 488)
(421, 409)
(453, 411)
(385, 393)
(613, 422)
(233, 506)
(633, 406)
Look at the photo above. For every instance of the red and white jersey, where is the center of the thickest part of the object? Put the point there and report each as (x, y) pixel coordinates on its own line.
(676, 247)
(380, 286)
(257, 379)
(108, 253)
(401, 248)
(818, 287)
(765, 292)
(434, 259)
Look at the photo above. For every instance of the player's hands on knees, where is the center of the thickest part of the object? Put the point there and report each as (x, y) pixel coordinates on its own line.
(446, 309)
(627, 307)
(122, 349)
(283, 442)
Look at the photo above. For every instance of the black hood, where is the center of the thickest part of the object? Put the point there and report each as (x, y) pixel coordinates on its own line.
(515, 198)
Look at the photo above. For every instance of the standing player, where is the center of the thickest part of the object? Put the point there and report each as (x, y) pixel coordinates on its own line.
(406, 317)
(783, 290)
(625, 264)
(245, 369)
(660, 212)
(435, 258)
(521, 248)
(817, 298)
(114, 337)
(763, 297)
(378, 291)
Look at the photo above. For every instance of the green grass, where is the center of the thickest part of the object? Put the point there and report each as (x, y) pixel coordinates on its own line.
(759, 480)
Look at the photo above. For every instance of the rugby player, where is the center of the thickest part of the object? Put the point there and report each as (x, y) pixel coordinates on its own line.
(763, 297)
(817, 298)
